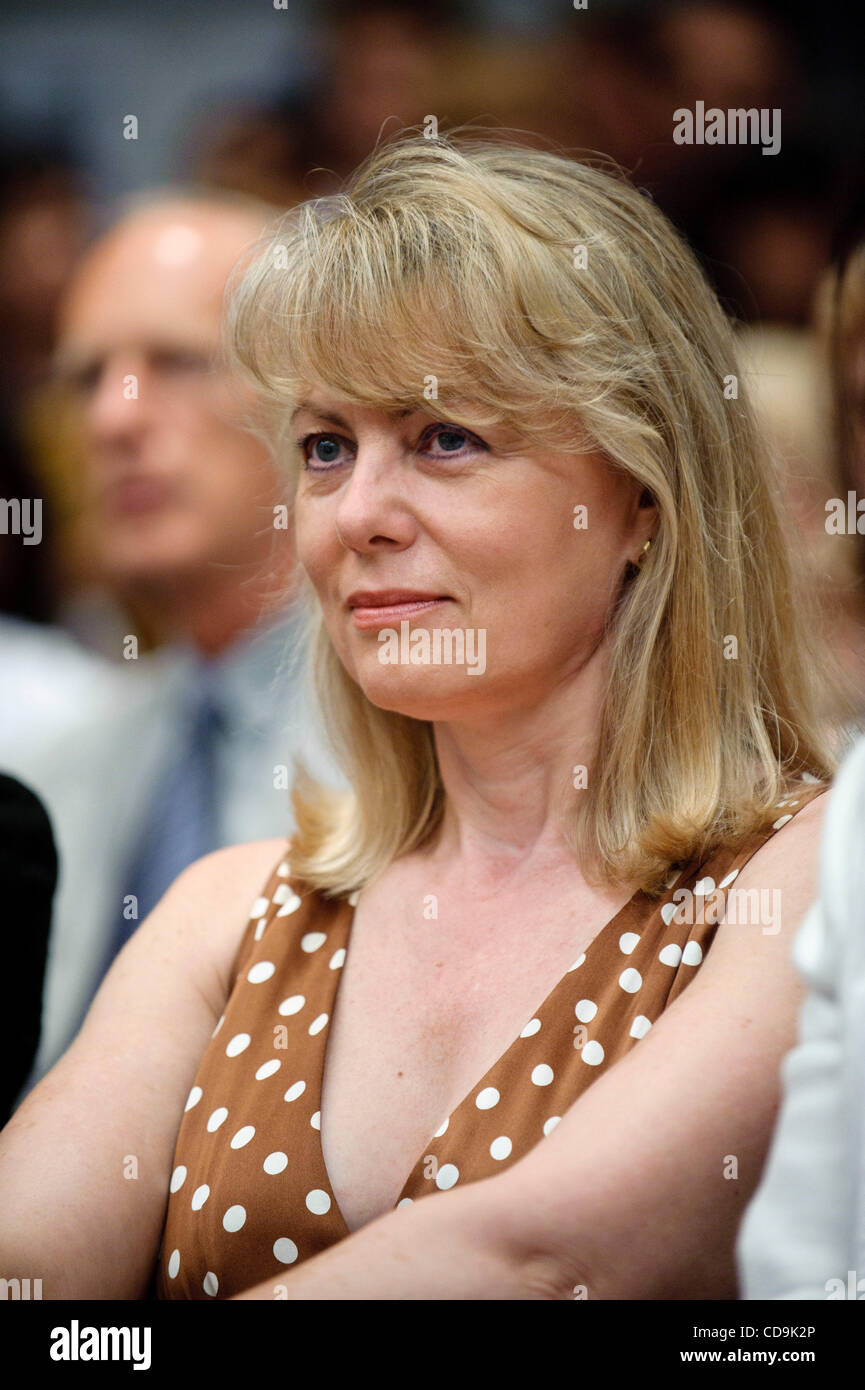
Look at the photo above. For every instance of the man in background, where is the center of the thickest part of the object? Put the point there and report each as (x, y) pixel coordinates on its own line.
(192, 748)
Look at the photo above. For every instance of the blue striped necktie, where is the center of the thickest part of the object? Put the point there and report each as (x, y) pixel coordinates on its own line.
(182, 822)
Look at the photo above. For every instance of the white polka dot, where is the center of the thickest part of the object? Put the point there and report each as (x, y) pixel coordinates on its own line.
(725, 882)
(315, 1120)
(275, 1162)
(586, 1010)
(442, 1129)
(542, 1074)
(296, 1090)
(260, 972)
(668, 912)
(317, 1201)
(216, 1119)
(173, 1264)
(592, 1054)
(193, 1098)
(671, 955)
(782, 820)
(260, 929)
(211, 1284)
(487, 1098)
(317, 1025)
(287, 899)
(627, 942)
(267, 1069)
(337, 959)
(704, 887)
(291, 904)
(284, 869)
(532, 1027)
(501, 1147)
(550, 1124)
(640, 1026)
(292, 1005)
(312, 940)
(239, 1043)
(446, 1176)
(199, 1197)
(285, 1251)
(178, 1178)
(692, 954)
(218, 1026)
(353, 897)
(630, 980)
(577, 963)
(242, 1137)
(259, 907)
(234, 1218)
(406, 1202)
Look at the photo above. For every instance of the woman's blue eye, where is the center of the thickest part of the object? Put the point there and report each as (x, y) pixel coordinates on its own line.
(320, 451)
(326, 449)
(446, 438)
(452, 440)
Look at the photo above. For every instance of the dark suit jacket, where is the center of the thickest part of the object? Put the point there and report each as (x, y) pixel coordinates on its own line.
(28, 875)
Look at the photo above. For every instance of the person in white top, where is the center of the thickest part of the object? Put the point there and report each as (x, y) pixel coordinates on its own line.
(803, 1234)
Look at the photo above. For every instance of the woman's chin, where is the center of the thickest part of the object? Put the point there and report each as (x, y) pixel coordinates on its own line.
(427, 693)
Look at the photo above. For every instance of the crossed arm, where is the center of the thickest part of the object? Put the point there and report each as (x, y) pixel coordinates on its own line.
(639, 1191)
(636, 1194)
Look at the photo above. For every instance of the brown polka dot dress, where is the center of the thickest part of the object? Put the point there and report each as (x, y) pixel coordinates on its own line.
(249, 1196)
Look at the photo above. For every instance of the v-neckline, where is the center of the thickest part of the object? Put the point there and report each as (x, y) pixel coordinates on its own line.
(604, 931)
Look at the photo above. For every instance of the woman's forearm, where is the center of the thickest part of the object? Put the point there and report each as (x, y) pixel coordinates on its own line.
(446, 1246)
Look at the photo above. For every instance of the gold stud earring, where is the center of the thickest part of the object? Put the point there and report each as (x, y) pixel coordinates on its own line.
(642, 555)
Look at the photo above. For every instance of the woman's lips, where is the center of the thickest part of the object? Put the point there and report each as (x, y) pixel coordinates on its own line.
(387, 615)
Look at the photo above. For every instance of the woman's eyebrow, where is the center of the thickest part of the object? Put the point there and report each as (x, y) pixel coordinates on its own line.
(335, 419)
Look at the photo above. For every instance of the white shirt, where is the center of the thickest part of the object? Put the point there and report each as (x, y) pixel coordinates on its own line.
(98, 781)
(803, 1234)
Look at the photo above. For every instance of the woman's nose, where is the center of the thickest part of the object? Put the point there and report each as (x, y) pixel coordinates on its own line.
(373, 509)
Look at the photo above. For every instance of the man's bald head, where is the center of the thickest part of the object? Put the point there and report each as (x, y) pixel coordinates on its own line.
(164, 262)
(183, 493)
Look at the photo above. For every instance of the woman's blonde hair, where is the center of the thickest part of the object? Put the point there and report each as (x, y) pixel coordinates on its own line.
(553, 296)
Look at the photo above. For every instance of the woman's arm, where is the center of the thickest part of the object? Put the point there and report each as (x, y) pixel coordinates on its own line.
(638, 1192)
(85, 1161)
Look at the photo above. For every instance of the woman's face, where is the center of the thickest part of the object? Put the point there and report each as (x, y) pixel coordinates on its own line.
(478, 536)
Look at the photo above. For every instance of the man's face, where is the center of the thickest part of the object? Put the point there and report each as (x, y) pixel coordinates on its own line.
(176, 482)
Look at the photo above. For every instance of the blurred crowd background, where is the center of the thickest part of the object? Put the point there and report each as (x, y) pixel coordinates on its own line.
(283, 102)
(279, 103)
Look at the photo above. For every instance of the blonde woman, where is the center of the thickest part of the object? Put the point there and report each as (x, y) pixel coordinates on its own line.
(502, 972)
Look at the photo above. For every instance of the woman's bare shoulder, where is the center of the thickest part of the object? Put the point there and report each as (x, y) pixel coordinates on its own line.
(213, 900)
(791, 853)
